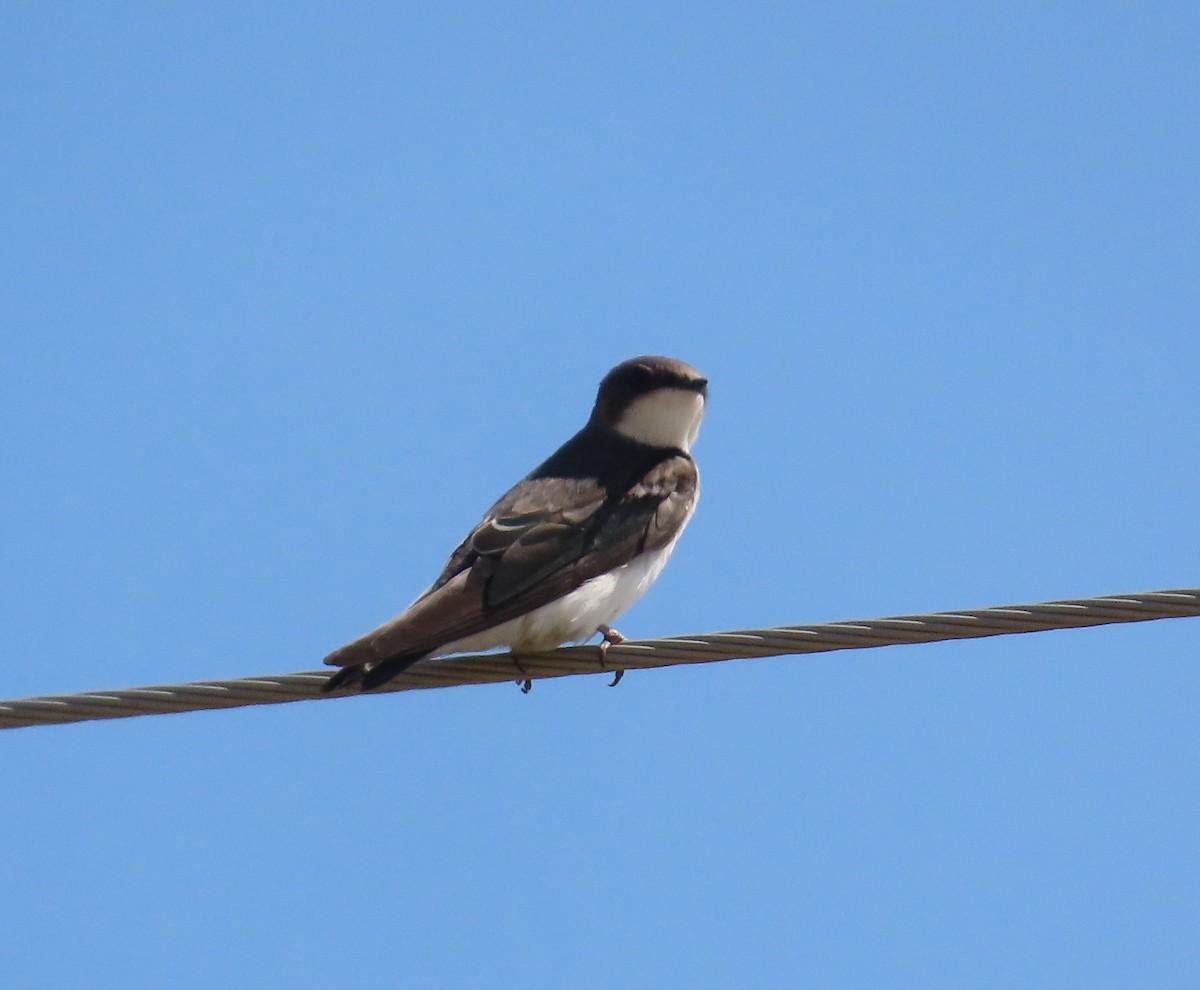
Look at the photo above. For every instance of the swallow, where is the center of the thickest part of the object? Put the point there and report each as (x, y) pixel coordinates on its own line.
(571, 546)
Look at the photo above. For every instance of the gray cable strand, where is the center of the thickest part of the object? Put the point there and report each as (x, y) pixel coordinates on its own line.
(276, 689)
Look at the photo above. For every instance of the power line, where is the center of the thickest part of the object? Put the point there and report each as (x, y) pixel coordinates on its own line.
(275, 689)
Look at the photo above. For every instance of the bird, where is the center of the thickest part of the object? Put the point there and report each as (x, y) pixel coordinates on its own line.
(568, 548)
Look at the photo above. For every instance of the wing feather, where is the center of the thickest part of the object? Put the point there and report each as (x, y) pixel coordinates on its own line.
(536, 544)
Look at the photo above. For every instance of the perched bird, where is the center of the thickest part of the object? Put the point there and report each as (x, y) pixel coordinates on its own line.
(571, 546)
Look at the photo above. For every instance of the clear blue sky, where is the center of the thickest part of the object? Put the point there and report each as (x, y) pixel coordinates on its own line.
(266, 272)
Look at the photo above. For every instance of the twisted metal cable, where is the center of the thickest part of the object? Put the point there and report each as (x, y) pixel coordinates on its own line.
(275, 689)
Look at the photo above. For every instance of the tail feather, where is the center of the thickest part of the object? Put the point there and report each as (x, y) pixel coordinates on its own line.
(369, 677)
(350, 676)
(377, 675)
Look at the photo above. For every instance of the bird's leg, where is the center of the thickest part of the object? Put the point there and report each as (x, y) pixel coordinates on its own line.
(611, 637)
(526, 682)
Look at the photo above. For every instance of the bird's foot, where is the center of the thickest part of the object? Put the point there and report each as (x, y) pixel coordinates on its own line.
(611, 638)
(526, 682)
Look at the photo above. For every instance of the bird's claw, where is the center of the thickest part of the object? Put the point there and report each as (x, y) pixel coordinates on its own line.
(611, 638)
(526, 682)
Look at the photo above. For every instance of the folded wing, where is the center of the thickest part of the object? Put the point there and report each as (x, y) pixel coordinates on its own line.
(536, 544)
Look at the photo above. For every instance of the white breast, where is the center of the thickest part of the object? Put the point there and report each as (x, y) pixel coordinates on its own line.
(576, 616)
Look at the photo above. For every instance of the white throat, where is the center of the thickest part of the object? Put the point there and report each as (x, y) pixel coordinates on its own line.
(666, 417)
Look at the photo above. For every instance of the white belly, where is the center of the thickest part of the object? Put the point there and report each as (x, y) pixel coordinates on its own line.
(576, 616)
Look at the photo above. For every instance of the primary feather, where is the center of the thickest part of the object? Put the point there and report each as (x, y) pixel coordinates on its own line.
(550, 563)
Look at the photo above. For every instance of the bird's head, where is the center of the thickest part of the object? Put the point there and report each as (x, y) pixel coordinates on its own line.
(658, 401)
